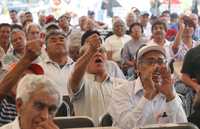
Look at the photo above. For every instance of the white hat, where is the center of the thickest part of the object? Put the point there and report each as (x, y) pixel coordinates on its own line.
(149, 47)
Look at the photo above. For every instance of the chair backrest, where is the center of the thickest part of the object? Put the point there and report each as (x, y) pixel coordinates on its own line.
(66, 108)
(171, 126)
(74, 122)
(105, 120)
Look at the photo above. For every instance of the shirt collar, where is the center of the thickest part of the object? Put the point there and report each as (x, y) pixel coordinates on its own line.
(16, 123)
(92, 77)
(69, 61)
(138, 85)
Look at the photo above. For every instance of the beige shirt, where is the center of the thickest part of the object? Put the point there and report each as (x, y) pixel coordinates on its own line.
(93, 97)
(115, 44)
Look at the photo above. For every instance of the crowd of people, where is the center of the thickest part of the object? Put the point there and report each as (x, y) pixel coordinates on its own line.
(145, 71)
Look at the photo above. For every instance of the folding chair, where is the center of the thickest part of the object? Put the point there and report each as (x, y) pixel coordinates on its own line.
(105, 120)
(171, 126)
(74, 122)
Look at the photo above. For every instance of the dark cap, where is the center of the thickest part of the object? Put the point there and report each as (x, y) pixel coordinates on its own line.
(88, 34)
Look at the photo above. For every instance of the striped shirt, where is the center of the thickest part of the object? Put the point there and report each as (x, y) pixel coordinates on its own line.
(7, 110)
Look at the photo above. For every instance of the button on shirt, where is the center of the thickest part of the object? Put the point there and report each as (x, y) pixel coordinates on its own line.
(130, 109)
(57, 74)
(93, 98)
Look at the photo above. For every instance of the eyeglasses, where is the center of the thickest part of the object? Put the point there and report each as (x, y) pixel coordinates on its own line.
(153, 61)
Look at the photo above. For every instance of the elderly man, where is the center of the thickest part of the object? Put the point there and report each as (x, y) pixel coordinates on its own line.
(8, 84)
(37, 101)
(115, 43)
(58, 65)
(150, 99)
(18, 41)
(33, 31)
(90, 82)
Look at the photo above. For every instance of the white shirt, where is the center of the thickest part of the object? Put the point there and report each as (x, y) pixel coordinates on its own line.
(130, 109)
(147, 31)
(93, 97)
(12, 125)
(115, 44)
(113, 69)
(183, 49)
(59, 75)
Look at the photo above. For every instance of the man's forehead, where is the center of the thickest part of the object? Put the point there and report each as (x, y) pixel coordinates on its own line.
(153, 54)
(41, 95)
(56, 36)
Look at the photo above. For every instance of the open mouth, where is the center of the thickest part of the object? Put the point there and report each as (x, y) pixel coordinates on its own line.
(98, 61)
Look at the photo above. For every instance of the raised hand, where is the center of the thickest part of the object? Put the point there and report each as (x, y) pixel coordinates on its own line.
(48, 124)
(166, 86)
(146, 76)
(93, 43)
(181, 23)
(33, 49)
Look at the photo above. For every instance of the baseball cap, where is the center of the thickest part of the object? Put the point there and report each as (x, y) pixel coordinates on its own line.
(148, 48)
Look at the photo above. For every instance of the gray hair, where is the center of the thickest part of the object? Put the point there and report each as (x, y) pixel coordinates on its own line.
(31, 25)
(32, 83)
(121, 22)
(15, 31)
(53, 33)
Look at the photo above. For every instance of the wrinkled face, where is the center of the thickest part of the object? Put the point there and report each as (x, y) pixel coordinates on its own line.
(152, 60)
(158, 33)
(97, 62)
(56, 45)
(63, 22)
(39, 108)
(34, 33)
(136, 32)
(4, 34)
(119, 28)
(18, 40)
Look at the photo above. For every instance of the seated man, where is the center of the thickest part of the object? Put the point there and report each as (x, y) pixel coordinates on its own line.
(37, 101)
(150, 99)
(8, 84)
(90, 82)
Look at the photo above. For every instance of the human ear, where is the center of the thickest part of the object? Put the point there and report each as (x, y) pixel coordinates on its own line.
(19, 105)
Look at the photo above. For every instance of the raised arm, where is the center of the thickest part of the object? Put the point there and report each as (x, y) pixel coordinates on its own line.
(178, 38)
(89, 49)
(11, 78)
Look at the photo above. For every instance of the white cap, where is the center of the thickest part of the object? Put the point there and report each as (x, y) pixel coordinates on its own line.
(149, 47)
